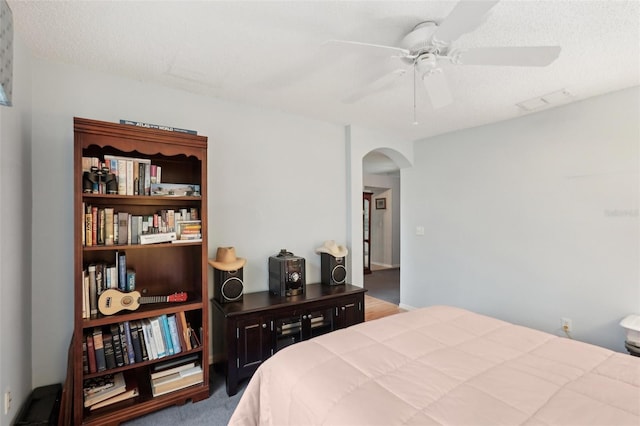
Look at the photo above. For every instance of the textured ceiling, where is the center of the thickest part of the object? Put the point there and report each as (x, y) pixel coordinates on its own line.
(272, 54)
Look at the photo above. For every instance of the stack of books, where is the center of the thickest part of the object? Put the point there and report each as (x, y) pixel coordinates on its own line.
(106, 390)
(175, 375)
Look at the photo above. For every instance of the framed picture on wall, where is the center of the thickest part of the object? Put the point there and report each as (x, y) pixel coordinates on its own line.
(381, 203)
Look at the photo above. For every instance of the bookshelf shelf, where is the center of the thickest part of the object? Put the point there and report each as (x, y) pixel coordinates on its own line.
(153, 270)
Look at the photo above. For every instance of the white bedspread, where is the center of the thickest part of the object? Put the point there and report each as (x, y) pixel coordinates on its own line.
(442, 366)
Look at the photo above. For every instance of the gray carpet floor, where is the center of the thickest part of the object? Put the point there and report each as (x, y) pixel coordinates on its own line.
(384, 284)
(216, 410)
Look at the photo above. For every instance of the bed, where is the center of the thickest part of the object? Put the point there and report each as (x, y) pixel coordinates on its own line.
(442, 366)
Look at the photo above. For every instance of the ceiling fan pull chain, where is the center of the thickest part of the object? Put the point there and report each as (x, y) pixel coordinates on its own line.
(415, 118)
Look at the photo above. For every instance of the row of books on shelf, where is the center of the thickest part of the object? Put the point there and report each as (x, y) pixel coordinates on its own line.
(176, 374)
(130, 176)
(131, 342)
(98, 277)
(105, 390)
(105, 226)
(165, 377)
(120, 175)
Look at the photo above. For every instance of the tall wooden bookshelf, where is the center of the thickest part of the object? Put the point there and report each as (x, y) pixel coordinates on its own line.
(161, 269)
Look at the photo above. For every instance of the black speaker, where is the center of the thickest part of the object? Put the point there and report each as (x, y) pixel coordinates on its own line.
(333, 270)
(227, 285)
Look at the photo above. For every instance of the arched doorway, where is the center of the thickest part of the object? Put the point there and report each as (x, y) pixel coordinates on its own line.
(381, 227)
(359, 143)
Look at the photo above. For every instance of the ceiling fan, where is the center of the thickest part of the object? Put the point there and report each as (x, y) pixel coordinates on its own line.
(429, 43)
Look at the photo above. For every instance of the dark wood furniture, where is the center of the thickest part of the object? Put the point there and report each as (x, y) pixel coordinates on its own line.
(161, 269)
(247, 332)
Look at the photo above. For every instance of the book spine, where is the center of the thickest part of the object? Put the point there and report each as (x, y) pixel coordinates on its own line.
(131, 280)
(123, 220)
(173, 329)
(91, 353)
(88, 226)
(150, 344)
(94, 225)
(117, 347)
(130, 176)
(108, 224)
(93, 291)
(123, 343)
(85, 358)
(122, 271)
(122, 177)
(167, 334)
(98, 345)
(102, 228)
(143, 341)
(135, 341)
(127, 335)
(157, 337)
(109, 353)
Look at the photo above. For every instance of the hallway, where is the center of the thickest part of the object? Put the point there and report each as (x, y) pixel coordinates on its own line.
(384, 284)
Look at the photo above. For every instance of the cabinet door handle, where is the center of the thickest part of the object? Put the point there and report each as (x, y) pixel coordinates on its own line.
(343, 308)
(264, 325)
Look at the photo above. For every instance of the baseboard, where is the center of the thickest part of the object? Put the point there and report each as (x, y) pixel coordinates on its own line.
(385, 265)
(406, 307)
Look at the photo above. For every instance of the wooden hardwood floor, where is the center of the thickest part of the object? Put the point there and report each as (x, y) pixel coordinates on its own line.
(377, 308)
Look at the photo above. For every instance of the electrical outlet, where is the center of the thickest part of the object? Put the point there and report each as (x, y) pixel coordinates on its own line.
(7, 402)
(565, 324)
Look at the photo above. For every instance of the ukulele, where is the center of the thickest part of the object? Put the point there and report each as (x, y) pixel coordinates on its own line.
(112, 301)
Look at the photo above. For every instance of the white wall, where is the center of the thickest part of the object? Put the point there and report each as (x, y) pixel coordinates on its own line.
(15, 238)
(531, 219)
(275, 181)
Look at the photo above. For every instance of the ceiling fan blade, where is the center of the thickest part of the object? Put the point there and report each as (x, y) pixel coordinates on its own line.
(465, 17)
(528, 56)
(377, 85)
(435, 82)
(377, 47)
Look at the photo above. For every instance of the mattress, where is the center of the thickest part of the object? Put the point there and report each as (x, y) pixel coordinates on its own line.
(442, 366)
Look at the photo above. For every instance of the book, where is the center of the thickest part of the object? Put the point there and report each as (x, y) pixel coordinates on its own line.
(148, 339)
(108, 226)
(175, 189)
(98, 346)
(109, 353)
(135, 340)
(85, 358)
(93, 291)
(164, 237)
(91, 354)
(119, 386)
(173, 377)
(97, 384)
(166, 333)
(143, 341)
(123, 343)
(157, 126)
(130, 348)
(180, 383)
(122, 271)
(123, 220)
(173, 330)
(174, 362)
(185, 330)
(88, 226)
(131, 280)
(157, 337)
(127, 394)
(171, 371)
(117, 347)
